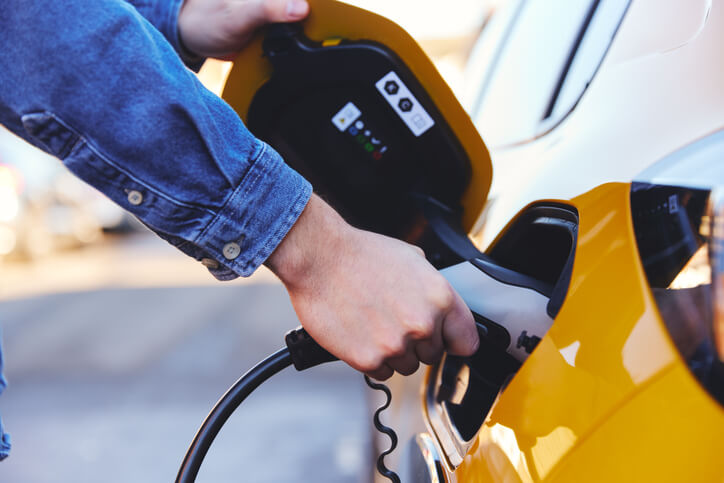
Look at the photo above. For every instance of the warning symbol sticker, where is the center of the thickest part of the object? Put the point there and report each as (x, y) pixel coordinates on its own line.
(346, 116)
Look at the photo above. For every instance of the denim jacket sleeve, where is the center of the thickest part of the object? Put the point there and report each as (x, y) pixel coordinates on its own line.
(97, 85)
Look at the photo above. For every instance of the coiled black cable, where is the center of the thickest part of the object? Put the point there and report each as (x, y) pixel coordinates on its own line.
(303, 352)
(384, 470)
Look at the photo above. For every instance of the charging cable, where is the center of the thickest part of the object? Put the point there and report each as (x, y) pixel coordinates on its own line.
(301, 351)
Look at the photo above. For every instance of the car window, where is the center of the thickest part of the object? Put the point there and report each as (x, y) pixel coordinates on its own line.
(485, 52)
(587, 57)
(543, 61)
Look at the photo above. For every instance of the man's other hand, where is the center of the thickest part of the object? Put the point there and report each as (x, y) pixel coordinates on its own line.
(221, 28)
(371, 300)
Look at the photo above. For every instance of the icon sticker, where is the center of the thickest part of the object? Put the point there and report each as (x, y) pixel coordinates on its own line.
(419, 121)
(404, 103)
(391, 87)
(346, 116)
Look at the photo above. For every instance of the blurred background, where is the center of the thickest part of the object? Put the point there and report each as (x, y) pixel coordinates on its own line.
(116, 345)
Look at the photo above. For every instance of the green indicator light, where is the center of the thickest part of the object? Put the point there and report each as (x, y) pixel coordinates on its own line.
(361, 138)
(369, 148)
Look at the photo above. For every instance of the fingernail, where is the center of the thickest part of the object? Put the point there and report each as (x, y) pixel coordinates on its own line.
(296, 8)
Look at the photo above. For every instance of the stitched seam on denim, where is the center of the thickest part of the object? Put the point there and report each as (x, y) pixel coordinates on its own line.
(64, 151)
(242, 185)
(79, 140)
(261, 147)
(68, 146)
(83, 141)
(160, 194)
(239, 192)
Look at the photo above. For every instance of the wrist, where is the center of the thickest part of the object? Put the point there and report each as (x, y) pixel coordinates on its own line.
(314, 242)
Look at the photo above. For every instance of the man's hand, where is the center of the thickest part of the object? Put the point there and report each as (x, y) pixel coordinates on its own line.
(371, 300)
(221, 28)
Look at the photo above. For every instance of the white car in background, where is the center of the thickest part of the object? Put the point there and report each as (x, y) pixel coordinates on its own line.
(574, 93)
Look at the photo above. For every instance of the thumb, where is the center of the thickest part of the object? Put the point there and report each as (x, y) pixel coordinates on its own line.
(248, 16)
(282, 10)
(459, 333)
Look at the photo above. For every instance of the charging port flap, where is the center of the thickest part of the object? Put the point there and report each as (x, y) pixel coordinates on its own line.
(367, 119)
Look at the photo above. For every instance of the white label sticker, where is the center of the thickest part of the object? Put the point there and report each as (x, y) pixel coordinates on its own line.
(404, 103)
(346, 116)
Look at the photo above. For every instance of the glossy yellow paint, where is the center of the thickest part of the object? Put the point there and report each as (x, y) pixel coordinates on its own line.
(605, 395)
(330, 19)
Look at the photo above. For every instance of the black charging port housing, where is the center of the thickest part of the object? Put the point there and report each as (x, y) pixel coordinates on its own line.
(382, 163)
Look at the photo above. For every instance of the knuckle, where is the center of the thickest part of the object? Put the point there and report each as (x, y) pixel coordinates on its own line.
(368, 362)
(393, 347)
(417, 249)
(422, 329)
(444, 296)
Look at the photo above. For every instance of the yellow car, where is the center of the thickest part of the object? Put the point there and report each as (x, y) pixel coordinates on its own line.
(627, 385)
(599, 297)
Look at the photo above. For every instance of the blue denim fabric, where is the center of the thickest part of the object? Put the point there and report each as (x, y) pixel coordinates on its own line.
(4, 437)
(100, 84)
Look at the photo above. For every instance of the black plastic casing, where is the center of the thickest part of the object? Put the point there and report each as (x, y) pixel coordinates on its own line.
(293, 112)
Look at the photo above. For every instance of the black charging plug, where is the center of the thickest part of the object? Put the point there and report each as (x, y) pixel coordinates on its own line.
(305, 351)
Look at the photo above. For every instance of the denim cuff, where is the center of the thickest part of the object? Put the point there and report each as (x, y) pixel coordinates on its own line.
(256, 217)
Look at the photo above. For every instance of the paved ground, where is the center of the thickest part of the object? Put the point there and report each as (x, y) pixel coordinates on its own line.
(110, 383)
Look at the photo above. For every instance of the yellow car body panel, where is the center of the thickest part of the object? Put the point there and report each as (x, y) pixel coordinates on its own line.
(330, 21)
(605, 395)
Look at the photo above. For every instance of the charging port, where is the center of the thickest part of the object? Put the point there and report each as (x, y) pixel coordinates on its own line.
(534, 254)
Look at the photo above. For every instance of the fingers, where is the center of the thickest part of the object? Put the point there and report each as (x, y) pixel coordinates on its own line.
(459, 334)
(429, 351)
(454, 331)
(381, 374)
(405, 365)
